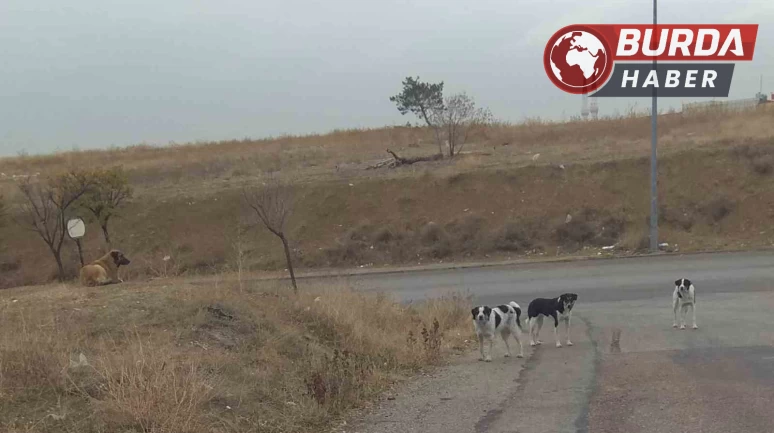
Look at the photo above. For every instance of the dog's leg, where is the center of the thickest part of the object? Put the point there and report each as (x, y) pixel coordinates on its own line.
(693, 313)
(674, 307)
(556, 330)
(488, 358)
(507, 347)
(531, 322)
(481, 346)
(517, 336)
(683, 313)
(539, 327)
(567, 327)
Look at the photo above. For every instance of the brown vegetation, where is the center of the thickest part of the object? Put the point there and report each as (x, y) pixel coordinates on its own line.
(216, 358)
(508, 196)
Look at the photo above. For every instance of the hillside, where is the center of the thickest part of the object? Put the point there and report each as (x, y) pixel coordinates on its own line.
(507, 195)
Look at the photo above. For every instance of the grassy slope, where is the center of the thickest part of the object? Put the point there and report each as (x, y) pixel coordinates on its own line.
(215, 358)
(496, 201)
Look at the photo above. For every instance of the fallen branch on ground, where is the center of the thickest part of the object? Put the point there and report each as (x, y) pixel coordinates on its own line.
(407, 161)
(397, 161)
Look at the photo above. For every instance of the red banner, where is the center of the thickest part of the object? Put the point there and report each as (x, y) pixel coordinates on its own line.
(679, 42)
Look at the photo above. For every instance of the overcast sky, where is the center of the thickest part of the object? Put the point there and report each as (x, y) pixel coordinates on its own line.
(96, 73)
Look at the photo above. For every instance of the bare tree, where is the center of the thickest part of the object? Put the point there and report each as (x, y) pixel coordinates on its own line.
(111, 189)
(272, 203)
(456, 119)
(45, 209)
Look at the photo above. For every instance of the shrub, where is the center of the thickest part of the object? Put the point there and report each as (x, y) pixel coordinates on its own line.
(718, 209)
(467, 233)
(432, 233)
(383, 235)
(512, 237)
(674, 217)
(763, 166)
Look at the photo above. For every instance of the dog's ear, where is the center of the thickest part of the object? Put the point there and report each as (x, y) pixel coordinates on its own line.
(473, 312)
(688, 283)
(677, 282)
(487, 311)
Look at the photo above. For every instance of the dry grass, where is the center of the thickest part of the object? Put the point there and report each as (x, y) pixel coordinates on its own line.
(498, 201)
(342, 153)
(185, 358)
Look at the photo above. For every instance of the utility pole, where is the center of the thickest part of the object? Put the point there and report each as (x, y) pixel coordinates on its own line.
(654, 153)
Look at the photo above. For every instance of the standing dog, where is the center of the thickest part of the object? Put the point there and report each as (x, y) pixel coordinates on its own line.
(684, 297)
(504, 320)
(559, 308)
(104, 270)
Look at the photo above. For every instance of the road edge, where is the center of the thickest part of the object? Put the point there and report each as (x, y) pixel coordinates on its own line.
(354, 272)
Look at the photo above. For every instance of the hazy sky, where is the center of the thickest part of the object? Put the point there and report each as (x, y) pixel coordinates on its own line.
(96, 73)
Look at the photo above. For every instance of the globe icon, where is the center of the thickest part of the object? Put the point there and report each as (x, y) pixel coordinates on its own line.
(578, 59)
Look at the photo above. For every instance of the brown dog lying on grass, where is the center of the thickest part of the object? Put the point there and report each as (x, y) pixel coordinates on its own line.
(104, 270)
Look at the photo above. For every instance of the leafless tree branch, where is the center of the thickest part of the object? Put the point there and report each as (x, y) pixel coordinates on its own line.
(272, 203)
(45, 207)
(456, 119)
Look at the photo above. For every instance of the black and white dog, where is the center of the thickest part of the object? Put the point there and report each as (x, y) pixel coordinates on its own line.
(503, 320)
(559, 308)
(684, 297)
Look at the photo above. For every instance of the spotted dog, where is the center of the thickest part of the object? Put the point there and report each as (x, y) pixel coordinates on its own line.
(503, 320)
(559, 308)
(684, 297)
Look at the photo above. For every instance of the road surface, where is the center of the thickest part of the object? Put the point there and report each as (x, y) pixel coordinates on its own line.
(650, 378)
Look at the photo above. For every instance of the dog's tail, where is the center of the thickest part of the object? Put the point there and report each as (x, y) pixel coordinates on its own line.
(517, 310)
(518, 318)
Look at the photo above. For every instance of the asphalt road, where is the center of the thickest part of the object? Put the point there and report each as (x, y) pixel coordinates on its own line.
(593, 280)
(628, 370)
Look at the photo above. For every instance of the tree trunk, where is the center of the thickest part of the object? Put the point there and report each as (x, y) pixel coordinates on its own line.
(59, 265)
(438, 140)
(106, 234)
(290, 262)
(434, 128)
(451, 142)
